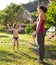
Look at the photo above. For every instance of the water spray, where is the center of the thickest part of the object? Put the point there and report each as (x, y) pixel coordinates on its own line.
(27, 16)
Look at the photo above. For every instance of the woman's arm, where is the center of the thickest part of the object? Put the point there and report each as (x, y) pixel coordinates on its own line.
(34, 23)
(38, 26)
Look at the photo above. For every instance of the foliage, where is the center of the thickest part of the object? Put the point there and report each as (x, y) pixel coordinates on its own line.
(34, 15)
(2, 28)
(51, 14)
(29, 28)
(11, 13)
(14, 13)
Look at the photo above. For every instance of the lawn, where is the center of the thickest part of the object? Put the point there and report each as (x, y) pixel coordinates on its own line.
(27, 53)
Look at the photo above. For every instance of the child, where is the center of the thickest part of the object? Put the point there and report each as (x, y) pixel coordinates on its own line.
(15, 31)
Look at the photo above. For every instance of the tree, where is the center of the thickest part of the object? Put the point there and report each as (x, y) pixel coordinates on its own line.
(12, 13)
(51, 15)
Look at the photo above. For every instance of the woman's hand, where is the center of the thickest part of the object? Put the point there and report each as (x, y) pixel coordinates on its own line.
(34, 23)
(34, 35)
(31, 20)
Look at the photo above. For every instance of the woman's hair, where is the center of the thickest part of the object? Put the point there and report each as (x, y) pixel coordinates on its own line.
(43, 8)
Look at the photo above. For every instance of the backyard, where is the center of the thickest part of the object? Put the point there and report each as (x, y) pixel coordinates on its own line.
(28, 50)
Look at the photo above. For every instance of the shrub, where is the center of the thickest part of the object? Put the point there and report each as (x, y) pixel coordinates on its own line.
(2, 28)
(29, 28)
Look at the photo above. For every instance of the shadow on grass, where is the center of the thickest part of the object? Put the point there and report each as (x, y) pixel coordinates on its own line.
(8, 57)
(27, 55)
(45, 63)
(3, 36)
(23, 40)
(51, 50)
(32, 58)
(34, 48)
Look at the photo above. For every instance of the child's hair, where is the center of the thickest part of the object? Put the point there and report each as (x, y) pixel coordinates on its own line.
(43, 8)
(14, 25)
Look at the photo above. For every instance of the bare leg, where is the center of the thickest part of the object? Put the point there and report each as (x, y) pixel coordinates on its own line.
(14, 45)
(17, 45)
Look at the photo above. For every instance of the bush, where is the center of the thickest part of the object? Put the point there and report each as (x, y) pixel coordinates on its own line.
(51, 14)
(2, 28)
(29, 28)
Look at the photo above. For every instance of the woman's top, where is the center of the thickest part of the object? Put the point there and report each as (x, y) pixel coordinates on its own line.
(42, 28)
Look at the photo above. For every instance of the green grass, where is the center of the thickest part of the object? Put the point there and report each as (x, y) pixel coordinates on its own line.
(27, 51)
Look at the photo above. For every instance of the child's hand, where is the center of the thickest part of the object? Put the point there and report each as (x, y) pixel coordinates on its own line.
(8, 25)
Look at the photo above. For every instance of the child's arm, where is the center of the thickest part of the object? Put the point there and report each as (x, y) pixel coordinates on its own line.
(10, 29)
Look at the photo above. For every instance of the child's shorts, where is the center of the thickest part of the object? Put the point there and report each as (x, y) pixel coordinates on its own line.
(16, 38)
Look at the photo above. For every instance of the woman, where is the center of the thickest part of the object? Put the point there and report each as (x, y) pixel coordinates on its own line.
(40, 30)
